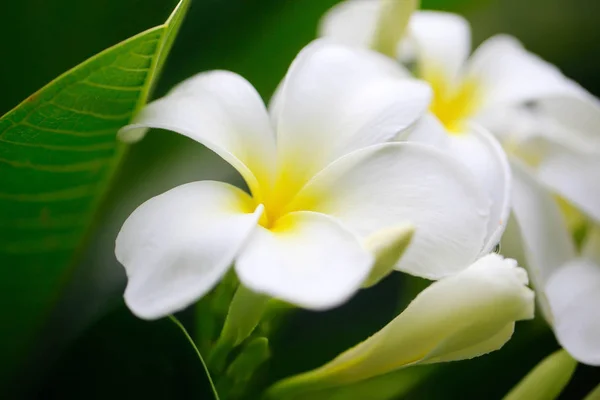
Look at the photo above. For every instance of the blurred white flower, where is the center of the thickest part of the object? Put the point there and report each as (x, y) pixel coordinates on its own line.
(321, 178)
(538, 114)
(567, 281)
(460, 317)
(545, 121)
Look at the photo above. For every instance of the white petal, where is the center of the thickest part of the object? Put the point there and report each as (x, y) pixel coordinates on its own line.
(222, 111)
(573, 292)
(175, 247)
(335, 100)
(572, 118)
(484, 157)
(377, 24)
(509, 74)
(442, 43)
(547, 243)
(450, 320)
(307, 259)
(427, 130)
(572, 174)
(352, 22)
(396, 183)
(481, 153)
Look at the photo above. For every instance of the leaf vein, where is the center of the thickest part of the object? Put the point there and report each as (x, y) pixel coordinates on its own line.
(91, 113)
(90, 148)
(75, 167)
(58, 195)
(112, 87)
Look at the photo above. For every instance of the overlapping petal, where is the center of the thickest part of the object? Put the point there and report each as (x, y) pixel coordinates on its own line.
(442, 44)
(459, 317)
(391, 184)
(481, 153)
(573, 292)
(335, 100)
(175, 247)
(572, 120)
(306, 258)
(509, 74)
(547, 243)
(222, 111)
(572, 174)
(352, 22)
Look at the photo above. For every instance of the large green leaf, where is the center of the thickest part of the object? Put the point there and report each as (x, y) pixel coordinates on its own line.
(58, 153)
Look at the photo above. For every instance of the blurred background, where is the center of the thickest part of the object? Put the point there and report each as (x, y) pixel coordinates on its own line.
(86, 344)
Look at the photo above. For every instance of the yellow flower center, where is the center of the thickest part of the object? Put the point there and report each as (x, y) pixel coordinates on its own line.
(277, 201)
(453, 105)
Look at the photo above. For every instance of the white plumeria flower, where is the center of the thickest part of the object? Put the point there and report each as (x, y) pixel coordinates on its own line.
(321, 179)
(440, 43)
(537, 113)
(460, 317)
(567, 281)
(541, 117)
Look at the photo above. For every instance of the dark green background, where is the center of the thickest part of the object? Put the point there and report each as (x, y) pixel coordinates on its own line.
(90, 345)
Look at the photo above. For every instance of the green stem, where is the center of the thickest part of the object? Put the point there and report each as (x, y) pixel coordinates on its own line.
(180, 325)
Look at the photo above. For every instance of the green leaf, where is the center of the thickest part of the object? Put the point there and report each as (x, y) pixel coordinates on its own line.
(234, 383)
(58, 154)
(124, 357)
(547, 380)
(245, 311)
(594, 394)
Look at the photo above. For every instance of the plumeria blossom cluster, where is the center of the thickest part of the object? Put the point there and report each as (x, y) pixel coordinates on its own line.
(361, 166)
(546, 123)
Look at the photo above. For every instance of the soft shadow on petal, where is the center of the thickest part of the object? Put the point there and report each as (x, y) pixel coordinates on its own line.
(307, 259)
(222, 111)
(175, 247)
(336, 99)
(547, 242)
(481, 153)
(572, 174)
(573, 120)
(396, 183)
(427, 130)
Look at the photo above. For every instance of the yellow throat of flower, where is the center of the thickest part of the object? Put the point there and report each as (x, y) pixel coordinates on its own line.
(453, 105)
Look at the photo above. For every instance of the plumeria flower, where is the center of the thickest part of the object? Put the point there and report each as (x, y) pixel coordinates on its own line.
(440, 49)
(567, 280)
(322, 178)
(544, 120)
(463, 316)
(540, 116)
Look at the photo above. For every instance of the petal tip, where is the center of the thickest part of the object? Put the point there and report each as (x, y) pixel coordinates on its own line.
(132, 133)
